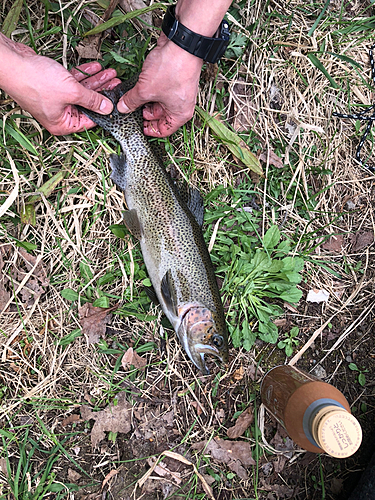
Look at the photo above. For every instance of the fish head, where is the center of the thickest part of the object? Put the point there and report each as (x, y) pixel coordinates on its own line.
(200, 335)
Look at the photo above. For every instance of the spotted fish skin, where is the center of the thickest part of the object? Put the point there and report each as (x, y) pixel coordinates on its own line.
(170, 236)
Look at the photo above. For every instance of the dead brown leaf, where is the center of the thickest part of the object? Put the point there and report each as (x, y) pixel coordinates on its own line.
(334, 243)
(73, 475)
(70, 419)
(362, 240)
(236, 454)
(130, 5)
(4, 295)
(281, 441)
(93, 321)
(176, 456)
(272, 158)
(39, 272)
(279, 463)
(210, 72)
(281, 490)
(162, 470)
(239, 374)
(280, 321)
(290, 307)
(132, 358)
(89, 47)
(14, 367)
(114, 418)
(3, 466)
(336, 486)
(155, 424)
(36, 282)
(197, 407)
(242, 423)
(109, 476)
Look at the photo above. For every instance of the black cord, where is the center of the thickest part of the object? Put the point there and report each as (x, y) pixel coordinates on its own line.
(364, 116)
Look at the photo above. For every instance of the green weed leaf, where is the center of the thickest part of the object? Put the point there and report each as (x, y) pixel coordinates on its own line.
(293, 295)
(19, 137)
(271, 238)
(101, 302)
(119, 230)
(29, 247)
(248, 336)
(68, 339)
(10, 22)
(236, 336)
(28, 215)
(69, 294)
(116, 20)
(86, 272)
(315, 61)
(362, 379)
(232, 141)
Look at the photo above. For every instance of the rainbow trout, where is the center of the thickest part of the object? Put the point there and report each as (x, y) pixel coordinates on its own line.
(167, 221)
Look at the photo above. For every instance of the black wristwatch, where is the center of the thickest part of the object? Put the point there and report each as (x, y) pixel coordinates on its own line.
(207, 48)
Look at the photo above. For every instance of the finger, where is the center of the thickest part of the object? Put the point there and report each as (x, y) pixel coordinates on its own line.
(93, 101)
(161, 128)
(131, 100)
(111, 84)
(85, 123)
(153, 111)
(97, 81)
(151, 128)
(71, 121)
(167, 127)
(81, 71)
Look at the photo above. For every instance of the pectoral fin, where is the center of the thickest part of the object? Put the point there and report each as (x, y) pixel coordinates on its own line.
(118, 165)
(168, 293)
(151, 294)
(132, 223)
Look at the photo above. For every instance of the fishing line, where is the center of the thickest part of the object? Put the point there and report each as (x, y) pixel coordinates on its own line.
(364, 116)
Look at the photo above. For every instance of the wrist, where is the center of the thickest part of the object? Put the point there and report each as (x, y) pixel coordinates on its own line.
(182, 59)
(201, 16)
(12, 57)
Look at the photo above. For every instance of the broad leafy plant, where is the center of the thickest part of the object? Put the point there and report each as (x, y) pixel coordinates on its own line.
(258, 276)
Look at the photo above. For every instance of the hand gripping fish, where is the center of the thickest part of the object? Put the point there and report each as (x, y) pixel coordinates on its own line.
(167, 222)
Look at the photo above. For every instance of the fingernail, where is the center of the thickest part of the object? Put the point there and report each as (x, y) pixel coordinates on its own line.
(122, 108)
(106, 106)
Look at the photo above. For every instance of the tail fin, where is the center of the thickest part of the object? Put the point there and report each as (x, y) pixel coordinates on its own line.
(114, 122)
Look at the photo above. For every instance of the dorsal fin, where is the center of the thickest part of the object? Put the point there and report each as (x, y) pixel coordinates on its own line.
(193, 199)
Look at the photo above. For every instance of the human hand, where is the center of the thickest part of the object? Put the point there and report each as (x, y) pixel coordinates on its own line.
(49, 92)
(168, 84)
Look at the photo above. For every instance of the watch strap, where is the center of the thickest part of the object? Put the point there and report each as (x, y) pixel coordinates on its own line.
(210, 49)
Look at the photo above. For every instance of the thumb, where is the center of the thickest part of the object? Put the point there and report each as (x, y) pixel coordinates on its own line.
(94, 101)
(130, 101)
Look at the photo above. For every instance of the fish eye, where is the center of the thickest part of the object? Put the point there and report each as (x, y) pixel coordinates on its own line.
(218, 341)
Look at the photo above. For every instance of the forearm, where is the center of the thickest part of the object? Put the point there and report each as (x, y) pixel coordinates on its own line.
(202, 16)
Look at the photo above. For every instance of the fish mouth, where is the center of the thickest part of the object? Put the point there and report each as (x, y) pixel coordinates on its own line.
(200, 351)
